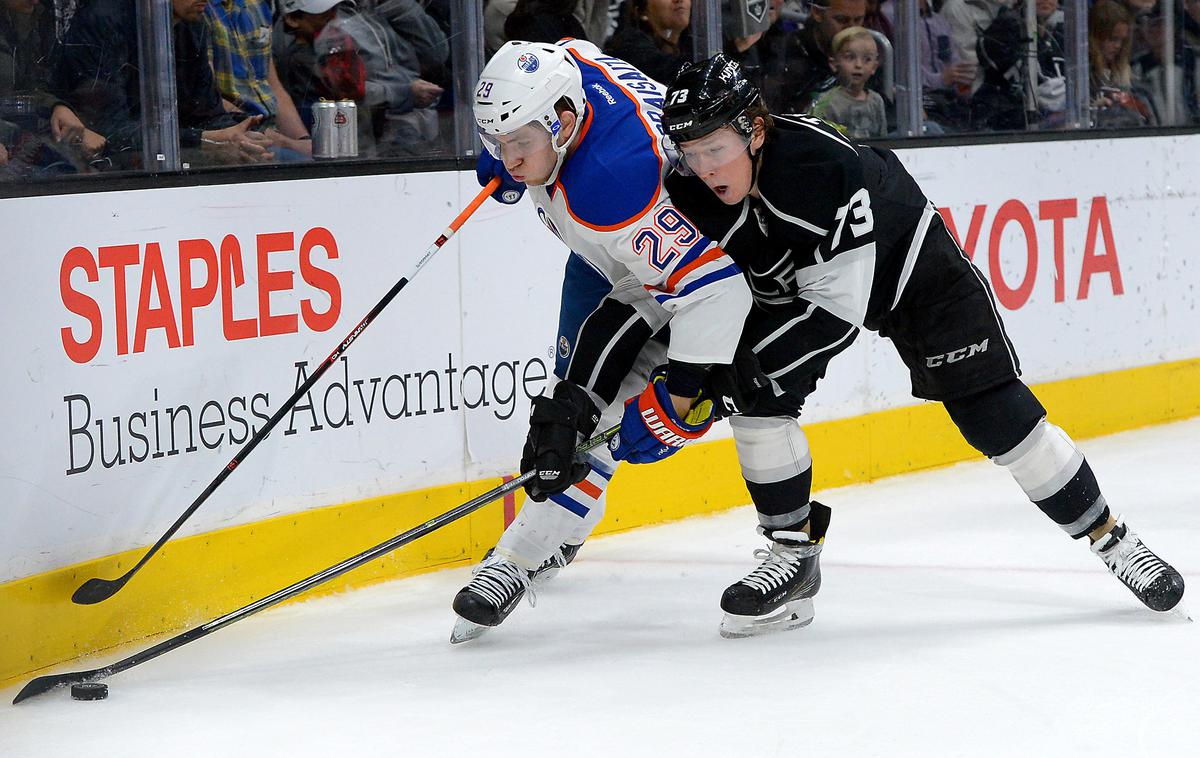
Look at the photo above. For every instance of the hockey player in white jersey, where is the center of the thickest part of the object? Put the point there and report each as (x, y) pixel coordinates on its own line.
(581, 131)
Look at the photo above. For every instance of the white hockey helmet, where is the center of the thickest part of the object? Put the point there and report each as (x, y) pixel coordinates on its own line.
(520, 85)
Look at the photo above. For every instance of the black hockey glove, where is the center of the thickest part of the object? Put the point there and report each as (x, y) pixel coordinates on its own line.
(735, 388)
(556, 425)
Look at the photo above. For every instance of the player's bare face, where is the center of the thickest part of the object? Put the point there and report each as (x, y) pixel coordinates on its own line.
(527, 153)
(722, 162)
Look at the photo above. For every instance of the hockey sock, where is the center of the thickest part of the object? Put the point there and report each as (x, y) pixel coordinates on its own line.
(540, 528)
(777, 466)
(1057, 478)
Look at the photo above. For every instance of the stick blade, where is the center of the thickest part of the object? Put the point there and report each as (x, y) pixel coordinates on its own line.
(44, 684)
(97, 590)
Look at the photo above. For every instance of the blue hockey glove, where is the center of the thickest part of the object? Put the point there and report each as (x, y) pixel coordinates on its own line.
(650, 429)
(510, 190)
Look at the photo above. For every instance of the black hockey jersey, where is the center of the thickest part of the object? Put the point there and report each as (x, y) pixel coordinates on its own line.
(836, 224)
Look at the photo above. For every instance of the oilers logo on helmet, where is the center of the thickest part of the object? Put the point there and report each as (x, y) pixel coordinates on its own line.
(528, 63)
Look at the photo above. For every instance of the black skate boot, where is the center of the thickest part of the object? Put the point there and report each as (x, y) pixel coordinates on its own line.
(1146, 575)
(778, 594)
(496, 586)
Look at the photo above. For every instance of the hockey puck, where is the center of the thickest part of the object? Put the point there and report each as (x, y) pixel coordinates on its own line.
(89, 691)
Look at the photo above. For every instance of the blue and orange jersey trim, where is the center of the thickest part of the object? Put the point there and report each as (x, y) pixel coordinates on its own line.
(614, 176)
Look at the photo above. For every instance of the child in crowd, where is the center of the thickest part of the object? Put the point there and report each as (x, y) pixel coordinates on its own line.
(850, 105)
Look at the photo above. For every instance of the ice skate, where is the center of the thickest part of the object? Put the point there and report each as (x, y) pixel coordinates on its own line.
(496, 588)
(554, 564)
(777, 595)
(1150, 578)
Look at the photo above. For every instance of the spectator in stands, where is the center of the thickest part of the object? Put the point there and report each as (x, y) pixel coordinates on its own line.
(44, 133)
(495, 14)
(1110, 29)
(1149, 76)
(98, 74)
(245, 72)
(1052, 67)
(967, 19)
(795, 64)
(1139, 12)
(653, 36)
(338, 52)
(850, 105)
(878, 19)
(543, 21)
(946, 79)
(418, 28)
(1190, 25)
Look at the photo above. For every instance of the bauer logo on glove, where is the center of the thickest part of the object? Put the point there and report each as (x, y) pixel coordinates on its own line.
(650, 428)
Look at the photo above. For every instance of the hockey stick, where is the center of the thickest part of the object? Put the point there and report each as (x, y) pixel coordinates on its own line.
(46, 683)
(96, 590)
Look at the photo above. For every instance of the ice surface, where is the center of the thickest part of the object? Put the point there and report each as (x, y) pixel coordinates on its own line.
(954, 620)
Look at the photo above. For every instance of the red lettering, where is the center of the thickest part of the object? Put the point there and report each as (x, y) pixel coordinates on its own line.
(118, 258)
(1099, 264)
(1012, 299)
(1057, 211)
(233, 277)
(192, 297)
(974, 227)
(162, 317)
(274, 281)
(80, 304)
(321, 279)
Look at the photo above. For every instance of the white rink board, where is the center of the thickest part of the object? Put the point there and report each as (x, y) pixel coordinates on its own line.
(479, 319)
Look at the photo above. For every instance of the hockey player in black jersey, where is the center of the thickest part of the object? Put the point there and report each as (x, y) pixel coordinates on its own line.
(815, 220)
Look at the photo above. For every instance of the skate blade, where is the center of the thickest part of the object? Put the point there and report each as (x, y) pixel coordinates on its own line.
(1180, 611)
(794, 615)
(465, 631)
(542, 578)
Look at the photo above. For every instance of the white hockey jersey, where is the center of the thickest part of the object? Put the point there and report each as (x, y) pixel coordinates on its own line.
(609, 206)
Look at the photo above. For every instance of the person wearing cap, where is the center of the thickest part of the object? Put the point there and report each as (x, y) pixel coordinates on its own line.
(341, 53)
(817, 221)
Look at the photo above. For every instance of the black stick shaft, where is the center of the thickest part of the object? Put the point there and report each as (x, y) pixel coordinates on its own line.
(95, 591)
(47, 683)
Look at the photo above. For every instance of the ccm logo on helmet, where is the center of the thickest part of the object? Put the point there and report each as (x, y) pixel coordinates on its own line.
(528, 63)
(954, 356)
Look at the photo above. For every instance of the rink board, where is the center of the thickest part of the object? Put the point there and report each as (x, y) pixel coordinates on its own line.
(1097, 283)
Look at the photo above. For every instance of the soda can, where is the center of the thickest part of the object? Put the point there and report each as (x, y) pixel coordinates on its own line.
(324, 145)
(345, 127)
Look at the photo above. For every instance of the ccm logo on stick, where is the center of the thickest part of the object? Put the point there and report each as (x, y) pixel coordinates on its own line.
(161, 294)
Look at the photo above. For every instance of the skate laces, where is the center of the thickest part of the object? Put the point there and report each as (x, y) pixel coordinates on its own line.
(779, 564)
(498, 580)
(1132, 561)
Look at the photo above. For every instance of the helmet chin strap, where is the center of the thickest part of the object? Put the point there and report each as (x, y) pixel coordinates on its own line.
(753, 165)
(561, 152)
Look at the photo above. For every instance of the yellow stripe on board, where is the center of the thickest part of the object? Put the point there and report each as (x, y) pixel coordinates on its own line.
(198, 578)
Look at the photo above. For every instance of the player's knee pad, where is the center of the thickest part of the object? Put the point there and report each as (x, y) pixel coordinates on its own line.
(777, 466)
(1056, 477)
(996, 420)
(570, 516)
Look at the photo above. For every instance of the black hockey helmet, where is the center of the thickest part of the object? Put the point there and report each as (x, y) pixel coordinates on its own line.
(706, 96)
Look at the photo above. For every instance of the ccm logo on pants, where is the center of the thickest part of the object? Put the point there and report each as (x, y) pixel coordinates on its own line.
(954, 356)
